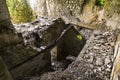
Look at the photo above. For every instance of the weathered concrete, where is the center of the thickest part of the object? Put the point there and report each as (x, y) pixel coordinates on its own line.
(33, 67)
(4, 73)
(68, 45)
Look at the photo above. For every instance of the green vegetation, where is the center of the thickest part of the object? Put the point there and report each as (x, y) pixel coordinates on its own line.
(100, 2)
(79, 37)
(20, 11)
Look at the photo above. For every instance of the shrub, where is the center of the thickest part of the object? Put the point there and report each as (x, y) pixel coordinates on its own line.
(20, 11)
(100, 2)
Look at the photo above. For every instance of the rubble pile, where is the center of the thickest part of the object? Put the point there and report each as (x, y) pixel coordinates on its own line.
(78, 70)
(100, 53)
(86, 33)
(97, 54)
(33, 32)
(41, 32)
(94, 61)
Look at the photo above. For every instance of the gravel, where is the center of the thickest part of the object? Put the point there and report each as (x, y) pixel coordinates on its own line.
(101, 48)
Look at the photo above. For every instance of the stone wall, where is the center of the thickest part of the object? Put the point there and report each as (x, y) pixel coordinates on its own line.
(82, 12)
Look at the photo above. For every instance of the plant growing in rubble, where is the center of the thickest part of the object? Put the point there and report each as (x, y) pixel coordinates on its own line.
(79, 37)
(100, 2)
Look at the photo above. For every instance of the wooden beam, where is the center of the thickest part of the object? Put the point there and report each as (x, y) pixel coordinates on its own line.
(86, 25)
(116, 65)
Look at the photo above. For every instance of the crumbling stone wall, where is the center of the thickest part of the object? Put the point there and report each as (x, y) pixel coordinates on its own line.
(65, 8)
(83, 12)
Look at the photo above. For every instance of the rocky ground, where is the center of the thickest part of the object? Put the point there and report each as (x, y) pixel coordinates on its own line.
(99, 53)
(33, 32)
(96, 62)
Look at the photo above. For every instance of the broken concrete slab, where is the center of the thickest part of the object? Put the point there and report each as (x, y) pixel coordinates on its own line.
(4, 72)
